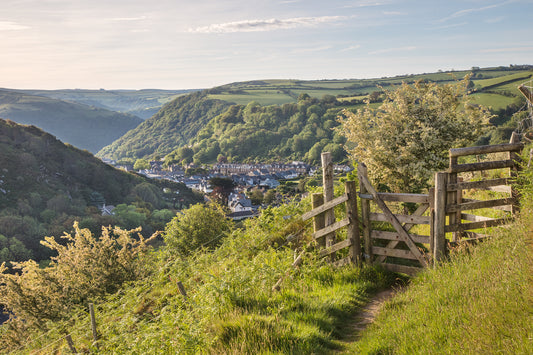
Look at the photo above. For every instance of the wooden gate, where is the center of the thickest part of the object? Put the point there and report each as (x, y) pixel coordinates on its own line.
(449, 193)
(397, 250)
(442, 211)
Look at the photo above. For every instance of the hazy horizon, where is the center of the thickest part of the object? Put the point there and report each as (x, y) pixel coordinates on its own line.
(139, 44)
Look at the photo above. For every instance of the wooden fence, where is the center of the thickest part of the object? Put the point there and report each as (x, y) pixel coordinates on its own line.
(442, 210)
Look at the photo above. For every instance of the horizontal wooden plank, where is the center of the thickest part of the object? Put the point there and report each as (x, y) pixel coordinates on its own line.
(504, 188)
(398, 197)
(474, 218)
(423, 239)
(474, 235)
(336, 247)
(380, 217)
(486, 149)
(476, 225)
(397, 253)
(342, 262)
(486, 165)
(506, 208)
(477, 184)
(479, 204)
(323, 208)
(403, 269)
(331, 228)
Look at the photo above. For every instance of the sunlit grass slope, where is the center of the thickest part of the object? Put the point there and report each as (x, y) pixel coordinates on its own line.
(481, 302)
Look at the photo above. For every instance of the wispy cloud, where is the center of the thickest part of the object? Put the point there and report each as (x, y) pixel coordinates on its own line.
(139, 18)
(450, 25)
(351, 48)
(394, 13)
(495, 19)
(465, 12)
(289, 2)
(12, 26)
(311, 49)
(265, 25)
(390, 50)
(507, 50)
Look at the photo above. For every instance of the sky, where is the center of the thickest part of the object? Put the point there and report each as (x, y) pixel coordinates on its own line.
(178, 44)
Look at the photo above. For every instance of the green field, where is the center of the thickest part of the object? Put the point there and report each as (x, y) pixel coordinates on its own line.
(493, 101)
(263, 96)
(275, 92)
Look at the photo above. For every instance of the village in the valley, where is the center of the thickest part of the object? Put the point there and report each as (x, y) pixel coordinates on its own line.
(245, 177)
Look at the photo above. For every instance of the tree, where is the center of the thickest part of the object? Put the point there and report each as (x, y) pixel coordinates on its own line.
(128, 216)
(141, 164)
(222, 187)
(406, 139)
(256, 196)
(197, 227)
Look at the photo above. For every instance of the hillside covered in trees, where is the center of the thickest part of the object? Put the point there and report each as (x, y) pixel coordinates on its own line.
(45, 185)
(173, 126)
(281, 120)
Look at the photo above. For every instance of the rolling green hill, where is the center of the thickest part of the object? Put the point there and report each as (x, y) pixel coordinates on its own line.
(173, 126)
(45, 185)
(141, 103)
(269, 120)
(83, 126)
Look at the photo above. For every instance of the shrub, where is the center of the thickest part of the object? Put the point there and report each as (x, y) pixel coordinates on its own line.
(197, 227)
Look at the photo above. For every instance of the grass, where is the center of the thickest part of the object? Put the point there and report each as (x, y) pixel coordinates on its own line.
(230, 307)
(494, 101)
(264, 97)
(503, 79)
(481, 302)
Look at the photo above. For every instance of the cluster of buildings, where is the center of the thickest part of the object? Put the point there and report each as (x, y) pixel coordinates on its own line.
(245, 177)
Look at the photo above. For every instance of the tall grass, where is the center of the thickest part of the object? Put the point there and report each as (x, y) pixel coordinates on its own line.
(480, 302)
(231, 307)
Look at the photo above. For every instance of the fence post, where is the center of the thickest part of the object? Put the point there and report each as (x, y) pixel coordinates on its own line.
(353, 227)
(327, 182)
(317, 200)
(439, 242)
(513, 173)
(365, 221)
(454, 217)
(93, 324)
(432, 199)
(71, 344)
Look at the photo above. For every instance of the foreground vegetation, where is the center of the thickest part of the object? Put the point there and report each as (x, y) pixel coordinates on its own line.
(477, 302)
(230, 304)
